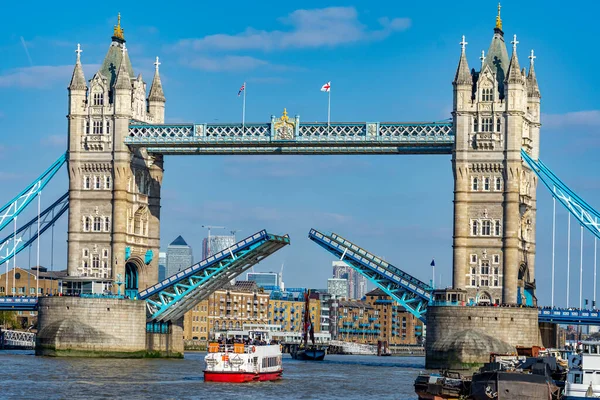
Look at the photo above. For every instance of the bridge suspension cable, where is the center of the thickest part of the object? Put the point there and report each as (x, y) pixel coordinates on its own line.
(553, 244)
(13, 208)
(44, 221)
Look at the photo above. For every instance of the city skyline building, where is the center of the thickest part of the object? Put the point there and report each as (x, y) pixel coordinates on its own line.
(357, 284)
(215, 243)
(337, 287)
(264, 279)
(179, 256)
(162, 266)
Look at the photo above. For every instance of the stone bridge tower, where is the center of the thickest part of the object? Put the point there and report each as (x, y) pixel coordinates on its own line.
(496, 113)
(114, 193)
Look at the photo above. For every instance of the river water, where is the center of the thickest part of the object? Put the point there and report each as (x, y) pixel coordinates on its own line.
(24, 376)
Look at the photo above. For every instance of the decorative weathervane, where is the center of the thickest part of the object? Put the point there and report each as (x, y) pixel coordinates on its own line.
(79, 51)
(118, 31)
(463, 43)
(498, 19)
(482, 58)
(515, 42)
(532, 57)
(284, 128)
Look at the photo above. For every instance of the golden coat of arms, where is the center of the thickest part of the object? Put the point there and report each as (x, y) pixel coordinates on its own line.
(284, 128)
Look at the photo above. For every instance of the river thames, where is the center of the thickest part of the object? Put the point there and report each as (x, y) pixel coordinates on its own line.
(25, 376)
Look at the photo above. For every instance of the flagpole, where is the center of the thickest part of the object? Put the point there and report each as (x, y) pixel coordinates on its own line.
(329, 105)
(433, 280)
(244, 107)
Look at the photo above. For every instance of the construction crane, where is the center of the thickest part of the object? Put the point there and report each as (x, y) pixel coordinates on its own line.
(209, 227)
(233, 232)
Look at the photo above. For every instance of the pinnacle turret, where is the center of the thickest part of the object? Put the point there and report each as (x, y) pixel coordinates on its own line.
(463, 74)
(533, 89)
(156, 90)
(513, 74)
(78, 78)
(123, 80)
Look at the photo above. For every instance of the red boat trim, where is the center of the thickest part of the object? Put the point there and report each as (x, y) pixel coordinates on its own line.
(240, 377)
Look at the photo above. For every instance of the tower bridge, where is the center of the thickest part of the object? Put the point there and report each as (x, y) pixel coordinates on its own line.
(117, 140)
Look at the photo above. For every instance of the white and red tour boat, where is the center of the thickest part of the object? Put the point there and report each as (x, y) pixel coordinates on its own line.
(252, 360)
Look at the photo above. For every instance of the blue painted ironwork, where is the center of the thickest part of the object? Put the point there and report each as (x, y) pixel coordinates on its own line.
(309, 138)
(408, 291)
(14, 207)
(48, 217)
(579, 208)
(172, 298)
(148, 257)
(570, 317)
(18, 303)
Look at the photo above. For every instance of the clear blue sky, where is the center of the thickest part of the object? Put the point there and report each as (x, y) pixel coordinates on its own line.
(387, 61)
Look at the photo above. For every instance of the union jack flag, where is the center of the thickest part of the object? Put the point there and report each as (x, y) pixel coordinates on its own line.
(242, 89)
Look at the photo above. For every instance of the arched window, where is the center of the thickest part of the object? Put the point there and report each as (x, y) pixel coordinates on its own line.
(106, 224)
(104, 264)
(497, 228)
(475, 183)
(107, 127)
(84, 264)
(97, 182)
(498, 183)
(106, 181)
(486, 228)
(86, 182)
(472, 270)
(498, 125)
(87, 126)
(486, 183)
(475, 228)
(86, 224)
(86, 252)
(475, 125)
(95, 261)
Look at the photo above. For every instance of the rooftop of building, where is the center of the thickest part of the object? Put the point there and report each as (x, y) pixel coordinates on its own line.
(43, 272)
(179, 242)
(355, 304)
(377, 292)
(242, 286)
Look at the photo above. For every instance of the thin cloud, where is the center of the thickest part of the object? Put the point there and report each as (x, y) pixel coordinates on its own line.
(26, 51)
(579, 118)
(227, 63)
(41, 77)
(324, 27)
(55, 141)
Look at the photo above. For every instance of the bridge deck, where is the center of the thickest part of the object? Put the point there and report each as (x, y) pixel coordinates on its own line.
(172, 298)
(311, 138)
(409, 292)
(18, 303)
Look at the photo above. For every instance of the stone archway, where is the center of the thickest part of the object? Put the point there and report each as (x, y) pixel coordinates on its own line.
(133, 271)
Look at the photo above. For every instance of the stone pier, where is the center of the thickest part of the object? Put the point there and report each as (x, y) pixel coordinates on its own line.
(88, 327)
(462, 338)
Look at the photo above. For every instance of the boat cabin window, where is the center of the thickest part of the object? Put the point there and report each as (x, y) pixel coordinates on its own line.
(590, 348)
(577, 378)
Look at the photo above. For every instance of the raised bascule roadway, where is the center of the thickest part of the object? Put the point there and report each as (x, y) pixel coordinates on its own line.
(118, 140)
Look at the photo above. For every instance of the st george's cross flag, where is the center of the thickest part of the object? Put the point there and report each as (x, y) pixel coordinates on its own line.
(242, 89)
(326, 87)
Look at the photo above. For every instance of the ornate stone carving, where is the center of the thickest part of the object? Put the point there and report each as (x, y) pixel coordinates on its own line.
(284, 128)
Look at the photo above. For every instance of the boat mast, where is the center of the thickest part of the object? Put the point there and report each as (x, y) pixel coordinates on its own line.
(306, 317)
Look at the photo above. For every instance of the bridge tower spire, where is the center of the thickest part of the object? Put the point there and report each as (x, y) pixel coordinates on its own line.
(114, 193)
(494, 193)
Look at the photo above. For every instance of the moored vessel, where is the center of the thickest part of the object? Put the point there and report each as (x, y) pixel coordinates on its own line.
(246, 361)
(305, 351)
(583, 378)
